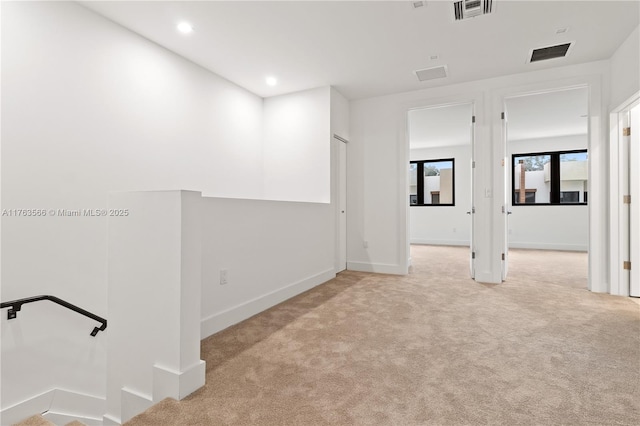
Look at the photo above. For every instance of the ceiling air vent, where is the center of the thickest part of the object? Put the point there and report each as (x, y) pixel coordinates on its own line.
(550, 52)
(431, 73)
(464, 9)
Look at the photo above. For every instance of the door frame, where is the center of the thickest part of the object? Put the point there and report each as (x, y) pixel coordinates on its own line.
(619, 217)
(598, 277)
(404, 222)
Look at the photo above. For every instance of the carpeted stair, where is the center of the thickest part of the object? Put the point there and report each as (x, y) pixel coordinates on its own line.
(38, 420)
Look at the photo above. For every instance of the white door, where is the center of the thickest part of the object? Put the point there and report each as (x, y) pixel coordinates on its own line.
(341, 204)
(634, 187)
(472, 209)
(506, 179)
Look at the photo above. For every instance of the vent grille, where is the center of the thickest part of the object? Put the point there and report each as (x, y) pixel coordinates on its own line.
(431, 73)
(457, 10)
(551, 52)
(469, 8)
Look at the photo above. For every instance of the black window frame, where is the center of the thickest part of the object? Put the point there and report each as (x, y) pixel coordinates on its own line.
(554, 172)
(420, 183)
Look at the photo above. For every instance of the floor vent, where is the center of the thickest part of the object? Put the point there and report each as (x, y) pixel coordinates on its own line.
(550, 52)
(432, 73)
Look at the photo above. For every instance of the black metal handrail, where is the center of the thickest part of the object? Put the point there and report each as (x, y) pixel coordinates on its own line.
(15, 305)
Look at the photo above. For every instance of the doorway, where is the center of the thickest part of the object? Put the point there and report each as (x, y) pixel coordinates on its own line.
(547, 178)
(441, 176)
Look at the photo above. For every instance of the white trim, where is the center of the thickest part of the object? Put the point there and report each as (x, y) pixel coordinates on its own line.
(109, 420)
(484, 276)
(63, 419)
(59, 406)
(133, 403)
(404, 233)
(440, 242)
(219, 321)
(378, 268)
(549, 246)
(37, 404)
(618, 281)
(168, 383)
(598, 170)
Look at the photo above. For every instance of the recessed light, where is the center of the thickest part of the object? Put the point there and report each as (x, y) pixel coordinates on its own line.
(434, 57)
(271, 81)
(417, 4)
(562, 30)
(185, 27)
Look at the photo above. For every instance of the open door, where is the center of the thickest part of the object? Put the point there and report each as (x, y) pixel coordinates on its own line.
(472, 209)
(634, 191)
(506, 178)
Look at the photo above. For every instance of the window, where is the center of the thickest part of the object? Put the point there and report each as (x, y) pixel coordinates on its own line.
(569, 196)
(546, 178)
(529, 196)
(431, 183)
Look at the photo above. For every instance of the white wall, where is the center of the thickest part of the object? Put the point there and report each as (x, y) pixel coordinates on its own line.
(625, 69)
(154, 286)
(447, 225)
(89, 108)
(297, 146)
(547, 227)
(378, 155)
(272, 251)
(568, 143)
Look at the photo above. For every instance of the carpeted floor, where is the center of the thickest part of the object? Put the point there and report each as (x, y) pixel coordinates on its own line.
(38, 420)
(430, 348)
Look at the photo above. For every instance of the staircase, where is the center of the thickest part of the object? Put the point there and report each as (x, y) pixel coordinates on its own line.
(41, 421)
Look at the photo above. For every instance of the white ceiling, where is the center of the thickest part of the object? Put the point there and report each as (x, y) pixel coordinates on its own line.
(371, 48)
(543, 115)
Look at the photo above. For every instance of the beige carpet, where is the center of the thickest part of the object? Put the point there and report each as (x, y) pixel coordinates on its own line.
(430, 348)
(38, 420)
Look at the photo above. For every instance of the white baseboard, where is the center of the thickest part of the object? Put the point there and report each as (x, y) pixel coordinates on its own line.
(59, 406)
(108, 420)
(486, 277)
(177, 384)
(63, 419)
(549, 246)
(133, 403)
(378, 268)
(221, 320)
(440, 242)
(37, 404)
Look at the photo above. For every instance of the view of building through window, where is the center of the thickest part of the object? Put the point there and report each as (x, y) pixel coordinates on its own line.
(550, 178)
(431, 182)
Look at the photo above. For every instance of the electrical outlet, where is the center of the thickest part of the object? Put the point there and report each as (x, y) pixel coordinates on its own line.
(224, 276)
